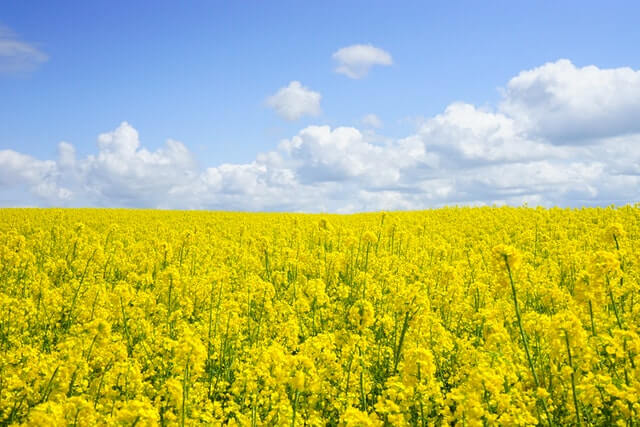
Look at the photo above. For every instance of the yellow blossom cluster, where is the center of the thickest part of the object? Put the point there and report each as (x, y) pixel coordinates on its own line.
(454, 316)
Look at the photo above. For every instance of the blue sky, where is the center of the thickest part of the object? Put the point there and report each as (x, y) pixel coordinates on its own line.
(202, 74)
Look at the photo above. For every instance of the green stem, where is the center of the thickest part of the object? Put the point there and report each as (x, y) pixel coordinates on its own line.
(295, 407)
(573, 379)
(523, 335)
(366, 268)
(593, 326)
(405, 326)
(363, 399)
(613, 303)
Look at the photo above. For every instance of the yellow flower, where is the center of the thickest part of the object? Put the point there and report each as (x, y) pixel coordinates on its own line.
(353, 417)
(614, 233)
(402, 318)
(323, 224)
(369, 238)
(506, 254)
(605, 264)
(361, 314)
(297, 382)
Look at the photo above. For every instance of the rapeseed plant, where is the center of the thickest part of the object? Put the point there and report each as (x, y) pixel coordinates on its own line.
(465, 316)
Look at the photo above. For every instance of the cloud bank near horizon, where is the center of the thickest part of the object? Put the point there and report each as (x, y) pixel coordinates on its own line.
(561, 135)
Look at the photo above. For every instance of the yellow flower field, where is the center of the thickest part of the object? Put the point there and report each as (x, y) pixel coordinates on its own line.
(473, 316)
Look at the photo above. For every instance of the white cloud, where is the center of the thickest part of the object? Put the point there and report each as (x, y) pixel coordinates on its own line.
(464, 155)
(41, 178)
(356, 60)
(569, 105)
(294, 101)
(371, 120)
(66, 155)
(323, 154)
(319, 154)
(464, 133)
(126, 174)
(17, 55)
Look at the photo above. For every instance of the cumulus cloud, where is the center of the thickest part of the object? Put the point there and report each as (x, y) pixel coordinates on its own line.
(294, 101)
(124, 173)
(356, 60)
(464, 133)
(464, 155)
(17, 55)
(566, 104)
(40, 177)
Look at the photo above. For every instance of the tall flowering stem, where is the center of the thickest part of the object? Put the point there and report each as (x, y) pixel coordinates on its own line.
(522, 333)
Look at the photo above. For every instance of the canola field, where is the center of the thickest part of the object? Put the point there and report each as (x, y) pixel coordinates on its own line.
(465, 316)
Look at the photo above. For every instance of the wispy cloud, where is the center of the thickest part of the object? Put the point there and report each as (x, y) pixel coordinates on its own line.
(371, 120)
(18, 55)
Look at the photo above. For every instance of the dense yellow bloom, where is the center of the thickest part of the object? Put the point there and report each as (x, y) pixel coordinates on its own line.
(506, 254)
(614, 233)
(356, 418)
(454, 316)
(361, 314)
(605, 264)
(368, 237)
